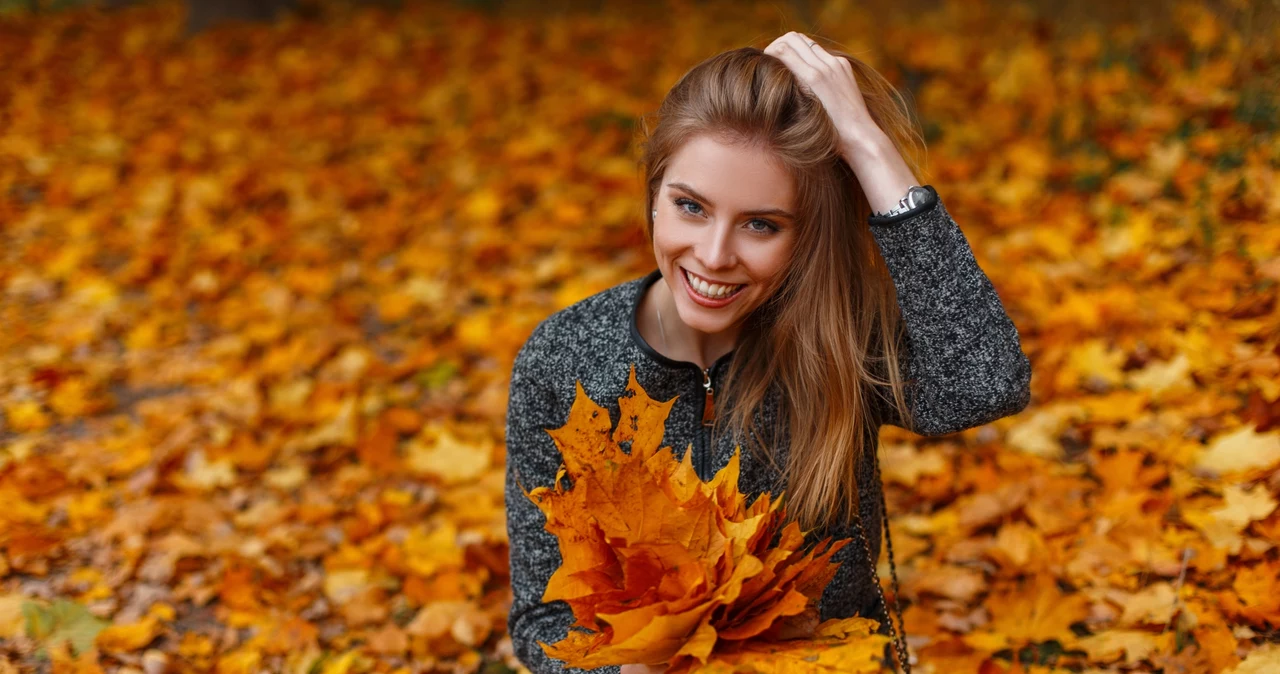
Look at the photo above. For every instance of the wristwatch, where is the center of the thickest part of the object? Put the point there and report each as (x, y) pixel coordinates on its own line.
(915, 195)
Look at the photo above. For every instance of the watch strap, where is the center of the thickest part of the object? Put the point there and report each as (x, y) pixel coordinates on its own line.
(918, 198)
(909, 201)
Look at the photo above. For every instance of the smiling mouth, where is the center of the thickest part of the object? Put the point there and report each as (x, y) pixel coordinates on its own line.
(711, 291)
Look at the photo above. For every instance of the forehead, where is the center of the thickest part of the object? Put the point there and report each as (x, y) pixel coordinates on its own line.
(732, 175)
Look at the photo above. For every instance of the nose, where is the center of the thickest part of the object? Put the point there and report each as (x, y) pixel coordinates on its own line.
(715, 250)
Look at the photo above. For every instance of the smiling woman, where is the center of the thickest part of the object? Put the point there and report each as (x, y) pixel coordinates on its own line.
(792, 312)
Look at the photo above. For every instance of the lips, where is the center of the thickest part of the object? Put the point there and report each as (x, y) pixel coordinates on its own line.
(689, 281)
(711, 289)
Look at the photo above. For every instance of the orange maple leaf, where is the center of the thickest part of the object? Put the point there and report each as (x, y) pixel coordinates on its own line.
(665, 568)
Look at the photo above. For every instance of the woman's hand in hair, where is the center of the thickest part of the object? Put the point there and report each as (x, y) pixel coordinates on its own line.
(880, 168)
(827, 76)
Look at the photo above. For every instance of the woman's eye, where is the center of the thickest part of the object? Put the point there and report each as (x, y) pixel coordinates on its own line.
(685, 202)
(768, 227)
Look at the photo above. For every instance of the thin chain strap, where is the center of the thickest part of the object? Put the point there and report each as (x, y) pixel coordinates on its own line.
(899, 633)
(904, 654)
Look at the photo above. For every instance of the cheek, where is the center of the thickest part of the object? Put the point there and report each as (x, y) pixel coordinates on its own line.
(768, 263)
(667, 239)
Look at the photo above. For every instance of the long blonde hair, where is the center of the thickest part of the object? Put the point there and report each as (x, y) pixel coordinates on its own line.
(829, 335)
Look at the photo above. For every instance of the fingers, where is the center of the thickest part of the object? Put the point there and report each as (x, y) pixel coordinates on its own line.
(826, 77)
(800, 45)
(798, 57)
(793, 49)
(806, 58)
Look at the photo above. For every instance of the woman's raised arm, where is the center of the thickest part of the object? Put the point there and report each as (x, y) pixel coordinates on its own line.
(961, 350)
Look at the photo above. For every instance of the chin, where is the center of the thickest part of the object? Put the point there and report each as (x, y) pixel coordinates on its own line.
(700, 318)
(705, 327)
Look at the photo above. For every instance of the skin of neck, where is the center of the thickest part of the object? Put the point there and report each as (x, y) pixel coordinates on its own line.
(682, 341)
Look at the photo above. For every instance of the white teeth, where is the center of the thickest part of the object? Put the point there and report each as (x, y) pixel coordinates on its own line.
(711, 290)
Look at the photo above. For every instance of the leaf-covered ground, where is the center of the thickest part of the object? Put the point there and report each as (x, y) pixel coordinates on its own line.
(260, 291)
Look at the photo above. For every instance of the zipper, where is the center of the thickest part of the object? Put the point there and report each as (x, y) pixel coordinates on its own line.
(702, 439)
(708, 418)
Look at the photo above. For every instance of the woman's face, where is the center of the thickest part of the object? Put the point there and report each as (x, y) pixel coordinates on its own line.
(725, 216)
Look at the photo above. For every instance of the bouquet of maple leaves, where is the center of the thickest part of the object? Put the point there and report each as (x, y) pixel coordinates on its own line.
(665, 568)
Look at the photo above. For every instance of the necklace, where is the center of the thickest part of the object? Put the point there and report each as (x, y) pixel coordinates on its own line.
(664, 330)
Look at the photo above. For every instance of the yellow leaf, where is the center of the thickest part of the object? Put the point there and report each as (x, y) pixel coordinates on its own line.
(1133, 645)
(130, 637)
(1264, 659)
(11, 619)
(441, 454)
(1241, 451)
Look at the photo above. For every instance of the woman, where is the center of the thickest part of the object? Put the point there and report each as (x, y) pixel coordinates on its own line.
(802, 275)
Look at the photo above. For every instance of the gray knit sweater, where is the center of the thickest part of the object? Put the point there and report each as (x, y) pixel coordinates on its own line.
(962, 352)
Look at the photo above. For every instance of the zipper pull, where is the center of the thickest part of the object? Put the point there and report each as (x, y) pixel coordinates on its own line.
(709, 407)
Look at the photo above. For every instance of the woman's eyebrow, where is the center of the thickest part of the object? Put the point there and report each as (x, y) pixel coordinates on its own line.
(762, 211)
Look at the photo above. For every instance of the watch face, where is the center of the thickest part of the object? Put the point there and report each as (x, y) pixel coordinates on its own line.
(918, 194)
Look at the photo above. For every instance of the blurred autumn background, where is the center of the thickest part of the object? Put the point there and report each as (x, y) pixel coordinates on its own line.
(264, 273)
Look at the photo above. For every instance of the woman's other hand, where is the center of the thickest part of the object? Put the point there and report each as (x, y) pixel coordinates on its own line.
(643, 669)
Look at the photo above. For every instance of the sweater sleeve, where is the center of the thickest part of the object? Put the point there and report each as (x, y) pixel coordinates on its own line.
(532, 461)
(962, 357)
